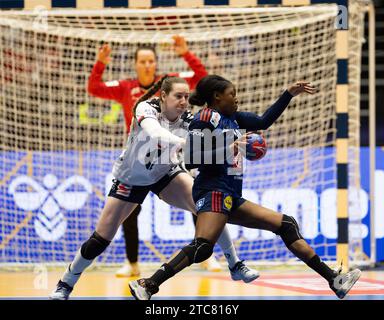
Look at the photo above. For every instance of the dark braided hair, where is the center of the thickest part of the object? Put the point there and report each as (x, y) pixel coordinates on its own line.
(206, 88)
(165, 84)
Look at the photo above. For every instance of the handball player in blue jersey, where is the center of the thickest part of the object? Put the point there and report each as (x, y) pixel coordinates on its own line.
(213, 145)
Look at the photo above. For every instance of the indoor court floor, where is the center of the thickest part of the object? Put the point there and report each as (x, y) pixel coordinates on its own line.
(192, 285)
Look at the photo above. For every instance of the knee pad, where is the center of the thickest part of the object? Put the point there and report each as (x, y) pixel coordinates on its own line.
(198, 250)
(289, 230)
(94, 246)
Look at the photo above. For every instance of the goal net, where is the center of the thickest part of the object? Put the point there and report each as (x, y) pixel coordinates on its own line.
(58, 144)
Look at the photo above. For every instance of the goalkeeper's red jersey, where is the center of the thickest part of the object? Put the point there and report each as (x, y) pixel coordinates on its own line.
(127, 92)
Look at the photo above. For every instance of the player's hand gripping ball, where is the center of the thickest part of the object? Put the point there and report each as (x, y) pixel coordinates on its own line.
(256, 146)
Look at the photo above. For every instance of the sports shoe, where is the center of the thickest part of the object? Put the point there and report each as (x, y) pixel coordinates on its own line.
(62, 291)
(143, 289)
(211, 264)
(342, 283)
(128, 270)
(241, 272)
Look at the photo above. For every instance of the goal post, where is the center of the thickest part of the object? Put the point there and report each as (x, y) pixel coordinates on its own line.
(58, 144)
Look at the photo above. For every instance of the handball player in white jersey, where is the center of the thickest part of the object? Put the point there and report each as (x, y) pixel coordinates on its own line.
(149, 163)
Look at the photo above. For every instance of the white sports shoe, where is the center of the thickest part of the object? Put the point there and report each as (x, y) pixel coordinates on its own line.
(61, 292)
(342, 283)
(211, 264)
(143, 289)
(128, 270)
(241, 272)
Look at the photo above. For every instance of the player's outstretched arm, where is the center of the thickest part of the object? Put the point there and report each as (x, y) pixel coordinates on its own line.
(251, 121)
(301, 87)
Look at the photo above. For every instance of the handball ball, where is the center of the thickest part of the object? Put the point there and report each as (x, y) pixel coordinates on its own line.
(256, 147)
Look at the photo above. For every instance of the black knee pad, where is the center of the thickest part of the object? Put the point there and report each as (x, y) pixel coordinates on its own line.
(289, 230)
(198, 250)
(94, 246)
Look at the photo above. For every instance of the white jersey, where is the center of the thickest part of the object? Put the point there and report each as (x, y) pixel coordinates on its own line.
(144, 162)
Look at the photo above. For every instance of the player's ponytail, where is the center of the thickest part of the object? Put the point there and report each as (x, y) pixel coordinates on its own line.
(206, 88)
(196, 100)
(151, 91)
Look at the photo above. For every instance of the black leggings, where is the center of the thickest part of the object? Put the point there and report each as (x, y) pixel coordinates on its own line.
(131, 235)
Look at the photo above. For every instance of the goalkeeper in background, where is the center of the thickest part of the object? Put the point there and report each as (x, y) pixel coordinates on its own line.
(127, 92)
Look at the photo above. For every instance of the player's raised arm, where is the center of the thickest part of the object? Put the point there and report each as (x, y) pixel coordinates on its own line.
(252, 121)
(96, 87)
(104, 54)
(181, 48)
(180, 45)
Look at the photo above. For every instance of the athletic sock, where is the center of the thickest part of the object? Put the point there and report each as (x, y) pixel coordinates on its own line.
(178, 262)
(226, 245)
(163, 274)
(74, 270)
(321, 268)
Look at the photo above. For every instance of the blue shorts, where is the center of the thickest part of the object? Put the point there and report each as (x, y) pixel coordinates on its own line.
(137, 194)
(217, 201)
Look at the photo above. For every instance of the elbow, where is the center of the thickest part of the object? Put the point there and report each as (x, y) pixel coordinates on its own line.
(91, 89)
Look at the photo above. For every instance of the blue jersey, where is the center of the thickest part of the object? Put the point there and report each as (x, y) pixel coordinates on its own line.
(218, 169)
(211, 133)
